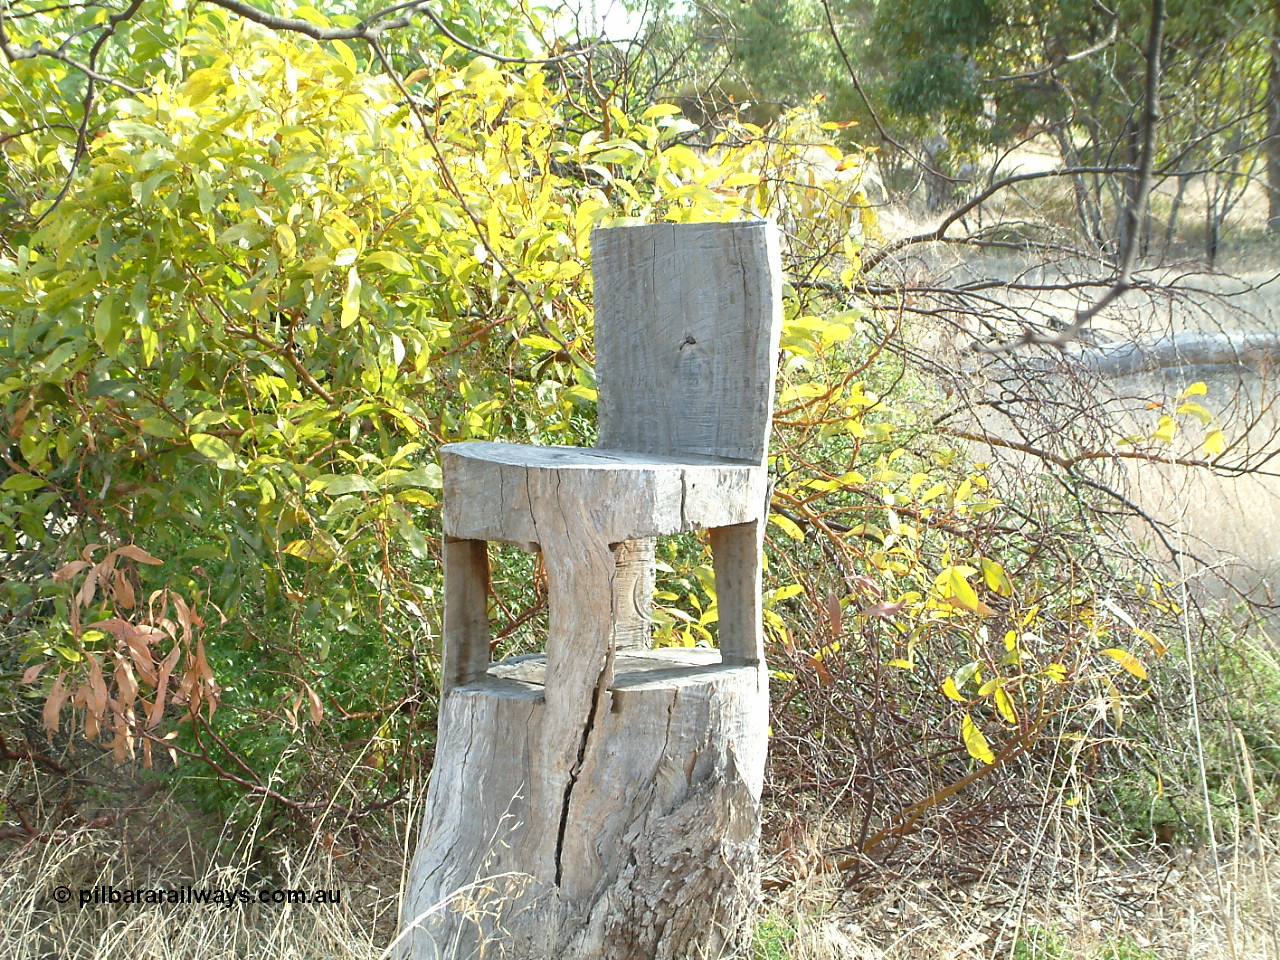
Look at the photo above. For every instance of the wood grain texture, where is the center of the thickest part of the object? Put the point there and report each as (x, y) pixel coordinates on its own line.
(735, 553)
(660, 841)
(628, 495)
(602, 801)
(633, 585)
(688, 318)
(466, 617)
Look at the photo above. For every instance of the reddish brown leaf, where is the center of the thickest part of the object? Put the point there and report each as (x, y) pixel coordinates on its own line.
(882, 609)
(29, 675)
(162, 683)
(869, 585)
(126, 686)
(69, 570)
(19, 417)
(97, 704)
(84, 596)
(834, 614)
(53, 706)
(317, 711)
(134, 552)
(184, 616)
(123, 590)
(122, 745)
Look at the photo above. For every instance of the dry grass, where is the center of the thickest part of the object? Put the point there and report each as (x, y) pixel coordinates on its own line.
(1188, 905)
(1052, 898)
(157, 849)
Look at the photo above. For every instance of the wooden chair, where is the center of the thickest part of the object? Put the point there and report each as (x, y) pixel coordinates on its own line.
(687, 325)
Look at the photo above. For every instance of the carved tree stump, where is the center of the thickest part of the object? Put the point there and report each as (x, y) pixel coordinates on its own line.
(602, 800)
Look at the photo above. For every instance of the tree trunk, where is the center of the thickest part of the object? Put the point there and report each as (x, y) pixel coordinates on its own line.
(1184, 351)
(655, 855)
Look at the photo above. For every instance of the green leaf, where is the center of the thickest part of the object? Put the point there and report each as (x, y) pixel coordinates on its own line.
(215, 448)
(108, 324)
(351, 300)
(22, 482)
(389, 260)
(157, 427)
(351, 483)
(429, 476)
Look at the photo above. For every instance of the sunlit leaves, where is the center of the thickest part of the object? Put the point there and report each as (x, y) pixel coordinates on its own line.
(974, 741)
(1126, 660)
(1215, 443)
(215, 448)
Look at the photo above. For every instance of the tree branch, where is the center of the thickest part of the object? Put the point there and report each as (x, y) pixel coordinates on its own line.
(1133, 213)
(372, 27)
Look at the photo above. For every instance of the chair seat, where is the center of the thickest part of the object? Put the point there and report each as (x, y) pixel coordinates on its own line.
(507, 491)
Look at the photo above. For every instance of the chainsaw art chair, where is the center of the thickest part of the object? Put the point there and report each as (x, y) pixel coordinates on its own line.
(601, 772)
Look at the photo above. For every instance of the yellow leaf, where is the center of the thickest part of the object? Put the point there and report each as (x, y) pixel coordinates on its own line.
(660, 110)
(975, 742)
(1197, 411)
(956, 588)
(1004, 704)
(1127, 660)
(997, 581)
(1197, 389)
(1215, 443)
(1166, 430)
(904, 664)
(1157, 644)
(950, 689)
(311, 551)
(788, 526)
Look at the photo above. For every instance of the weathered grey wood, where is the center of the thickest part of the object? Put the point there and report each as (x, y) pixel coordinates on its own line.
(466, 612)
(1246, 349)
(735, 553)
(633, 585)
(660, 841)
(602, 801)
(687, 324)
(635, 495)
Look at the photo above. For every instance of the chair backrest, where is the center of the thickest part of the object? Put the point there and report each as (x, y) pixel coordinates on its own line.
(688, 317)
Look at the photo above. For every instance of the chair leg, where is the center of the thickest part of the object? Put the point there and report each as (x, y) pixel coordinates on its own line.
(735, 555)
(633, 594)
(466, 615)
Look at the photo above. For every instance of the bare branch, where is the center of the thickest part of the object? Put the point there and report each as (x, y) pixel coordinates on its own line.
(372, 27)
(1133, 212)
